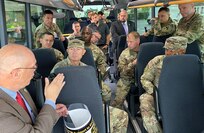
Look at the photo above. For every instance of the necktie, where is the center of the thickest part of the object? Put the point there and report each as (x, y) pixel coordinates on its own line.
(125, 28)
(21, 102)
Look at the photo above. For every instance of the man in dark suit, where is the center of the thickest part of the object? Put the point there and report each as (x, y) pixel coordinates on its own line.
(18, 113)
(121, 27)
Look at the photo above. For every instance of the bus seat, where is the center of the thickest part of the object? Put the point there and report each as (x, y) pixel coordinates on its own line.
(122, 44)
(193, 48)
(36, 90)
(59, 46)
(147, 52)
(144, 39)
(88, 58)
(83, 18)
(111, 18)
(46, 60)
(84, 22)
(180, 94)
(68, 26)
(73, 19)
(81, 87)
(160, 38)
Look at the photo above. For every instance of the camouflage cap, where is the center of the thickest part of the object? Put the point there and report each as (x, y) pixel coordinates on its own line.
(176, 42)
(76, 43)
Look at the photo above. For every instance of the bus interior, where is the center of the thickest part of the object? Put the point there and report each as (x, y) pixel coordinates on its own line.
(19, 19)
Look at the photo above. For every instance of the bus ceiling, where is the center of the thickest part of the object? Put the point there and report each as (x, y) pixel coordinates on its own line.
(60, 4)
(152, 3)
(70, 4)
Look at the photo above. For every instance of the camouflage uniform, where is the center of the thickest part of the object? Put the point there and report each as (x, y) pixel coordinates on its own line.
(64, 63)
(99, 59)
(126, 69)
(58, 54)
(42, 29)
(159, 29)
(118, 118)
(72, 36)
(192, 29)
(150, 80)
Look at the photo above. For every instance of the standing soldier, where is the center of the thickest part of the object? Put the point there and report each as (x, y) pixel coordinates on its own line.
(126, 66)
(150, 79)
(191, 26)
(47, 26)
(164, 25)
(99, 59)
(118, 118)
(46, 41)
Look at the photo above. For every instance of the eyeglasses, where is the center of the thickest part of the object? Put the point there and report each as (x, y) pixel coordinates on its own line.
(34, 67)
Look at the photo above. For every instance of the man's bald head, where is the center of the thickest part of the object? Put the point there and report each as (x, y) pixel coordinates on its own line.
(123, 16)
(17, 66)
(14, 56)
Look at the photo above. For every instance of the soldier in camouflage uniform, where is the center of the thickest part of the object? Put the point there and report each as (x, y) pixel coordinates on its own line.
(47, 26)
(75, 52)
(118, 118)
(191, 26)
(77, 31)
(126, 66)
(46, 41)
(164, 25)
(150, 79)
(99, 59)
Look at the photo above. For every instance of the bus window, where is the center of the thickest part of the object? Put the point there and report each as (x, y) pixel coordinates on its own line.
(94, 8)
(36, 19)
(60, 19)
(200, 8)
(131, 15)
(143, 14)
(15, 21)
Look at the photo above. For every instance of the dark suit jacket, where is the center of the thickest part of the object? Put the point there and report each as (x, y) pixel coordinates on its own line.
(14, 119)
(118, 30)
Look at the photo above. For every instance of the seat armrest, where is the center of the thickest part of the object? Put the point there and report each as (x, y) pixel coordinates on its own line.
(107, 117)
(157, 109)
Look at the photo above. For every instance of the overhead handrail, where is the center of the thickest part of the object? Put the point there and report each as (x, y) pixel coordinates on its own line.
(152, 3)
